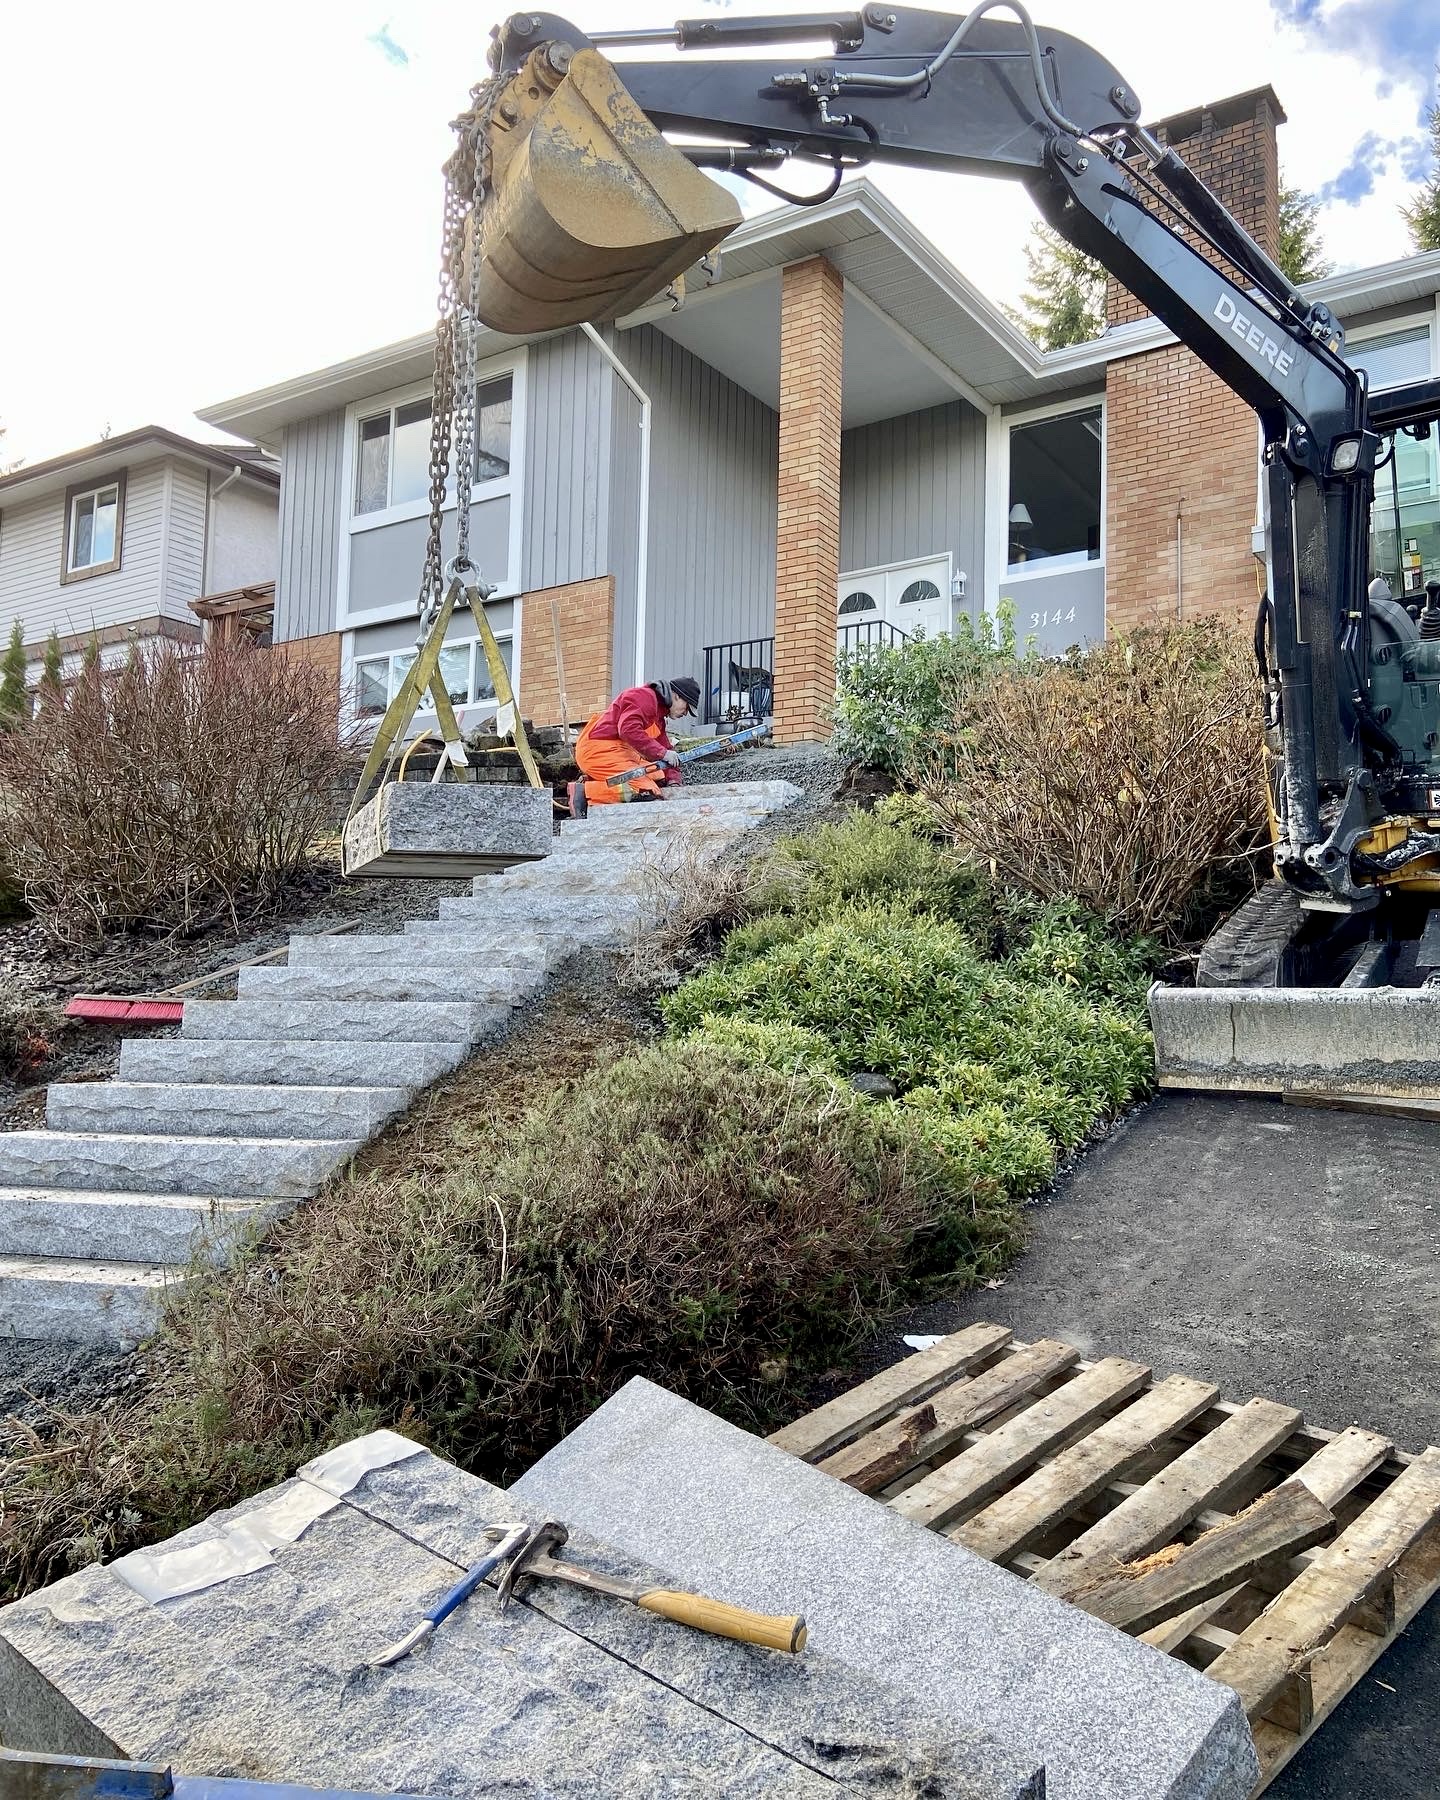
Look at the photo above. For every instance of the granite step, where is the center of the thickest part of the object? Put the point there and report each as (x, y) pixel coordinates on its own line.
(80, 1301)
(74, 1224)
(291, 1062)
(362, 978)
(352, 1021)
(119, 1162)
(508, 949)
(222, 1110)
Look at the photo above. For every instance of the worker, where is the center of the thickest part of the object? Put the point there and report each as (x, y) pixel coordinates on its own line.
(629, 732)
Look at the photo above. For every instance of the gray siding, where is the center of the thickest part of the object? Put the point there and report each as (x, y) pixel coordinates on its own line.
(915, 486)
(713, 472)
(31, 544)
(567, 476)
(244, 539)
(305, 591)
(184, 563)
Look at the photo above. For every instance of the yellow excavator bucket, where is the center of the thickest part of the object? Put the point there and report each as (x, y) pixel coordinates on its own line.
(590, 211)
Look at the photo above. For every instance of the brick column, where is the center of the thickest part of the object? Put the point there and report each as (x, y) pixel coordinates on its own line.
(1181, 448)
(807, 561)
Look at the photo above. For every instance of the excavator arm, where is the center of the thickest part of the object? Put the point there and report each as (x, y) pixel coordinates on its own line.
(570, 150)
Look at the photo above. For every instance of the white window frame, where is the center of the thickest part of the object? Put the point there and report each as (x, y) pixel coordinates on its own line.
(514, 363)
(997, 535)
(425, 711)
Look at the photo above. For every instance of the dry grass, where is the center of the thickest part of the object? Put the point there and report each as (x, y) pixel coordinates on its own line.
(1122, 778)
(686, 905)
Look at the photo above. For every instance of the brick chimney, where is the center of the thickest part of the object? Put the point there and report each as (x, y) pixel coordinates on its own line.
(1181, 449)
(1231, 146)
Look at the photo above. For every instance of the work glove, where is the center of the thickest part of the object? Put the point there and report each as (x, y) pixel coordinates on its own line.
(671, 759)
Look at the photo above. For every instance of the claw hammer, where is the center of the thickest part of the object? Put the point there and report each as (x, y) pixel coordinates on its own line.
(535, 1559)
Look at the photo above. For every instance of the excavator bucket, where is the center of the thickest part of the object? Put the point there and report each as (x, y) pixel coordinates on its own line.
(590, 212)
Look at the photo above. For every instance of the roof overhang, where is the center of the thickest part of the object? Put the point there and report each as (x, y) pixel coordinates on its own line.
(917, 331)
(97, 461)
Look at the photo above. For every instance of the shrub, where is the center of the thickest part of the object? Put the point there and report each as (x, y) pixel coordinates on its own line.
(865, 858)
(172, 793)
(1059, 942)
(1118, 777)
(904, 997)
(891, 701)
(782, 1047)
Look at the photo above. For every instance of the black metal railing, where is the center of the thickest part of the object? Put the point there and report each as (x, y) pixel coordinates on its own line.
(740, 680)
(869, 634)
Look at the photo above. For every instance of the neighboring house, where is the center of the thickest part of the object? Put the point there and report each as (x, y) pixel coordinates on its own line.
(836, 440)
(117, 541)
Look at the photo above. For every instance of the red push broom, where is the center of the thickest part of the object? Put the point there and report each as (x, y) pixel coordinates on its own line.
(168, 1006)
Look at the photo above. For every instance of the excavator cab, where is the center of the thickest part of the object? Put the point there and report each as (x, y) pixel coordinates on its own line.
(587, 210)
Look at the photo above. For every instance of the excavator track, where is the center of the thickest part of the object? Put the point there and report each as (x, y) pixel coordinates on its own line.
(1249, 949)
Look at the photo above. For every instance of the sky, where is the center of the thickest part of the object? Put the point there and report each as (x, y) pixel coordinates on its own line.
(201, 200)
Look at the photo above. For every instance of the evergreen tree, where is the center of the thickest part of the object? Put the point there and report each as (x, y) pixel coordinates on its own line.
(1302, 253)
(1423, 213)
(91, 659)
(52, 674)
(14, 702)
(1065, 301)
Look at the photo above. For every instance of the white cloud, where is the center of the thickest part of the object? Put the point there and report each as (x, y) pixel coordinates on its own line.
(201, 200)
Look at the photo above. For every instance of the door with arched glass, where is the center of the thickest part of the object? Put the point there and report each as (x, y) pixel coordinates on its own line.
(874, 605)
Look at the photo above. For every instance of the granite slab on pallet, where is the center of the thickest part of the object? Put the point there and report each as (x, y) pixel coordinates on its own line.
(240, 1648)
(1109, 1718)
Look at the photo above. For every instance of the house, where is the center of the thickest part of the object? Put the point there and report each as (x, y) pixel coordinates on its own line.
(116, 542)
(836, 439)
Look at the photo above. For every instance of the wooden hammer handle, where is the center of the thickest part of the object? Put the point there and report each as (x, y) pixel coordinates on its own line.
(722, 1620)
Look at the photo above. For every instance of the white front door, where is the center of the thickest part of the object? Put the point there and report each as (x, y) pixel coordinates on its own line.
(911, 596)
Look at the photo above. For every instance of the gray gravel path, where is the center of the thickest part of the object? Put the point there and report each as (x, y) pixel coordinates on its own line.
(1284, 1252)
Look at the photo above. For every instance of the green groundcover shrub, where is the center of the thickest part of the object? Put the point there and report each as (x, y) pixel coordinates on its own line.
(1010, 1026)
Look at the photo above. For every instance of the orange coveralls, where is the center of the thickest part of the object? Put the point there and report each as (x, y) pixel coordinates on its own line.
(631, 730)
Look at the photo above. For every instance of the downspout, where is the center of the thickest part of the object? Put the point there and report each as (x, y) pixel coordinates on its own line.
(643, 559)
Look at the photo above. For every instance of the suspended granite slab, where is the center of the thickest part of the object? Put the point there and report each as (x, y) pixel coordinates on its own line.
(453, 829)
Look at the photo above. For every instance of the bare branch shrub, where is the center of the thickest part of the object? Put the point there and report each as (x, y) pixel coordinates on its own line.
(1121, 777)
(173, 793)
(685, 903)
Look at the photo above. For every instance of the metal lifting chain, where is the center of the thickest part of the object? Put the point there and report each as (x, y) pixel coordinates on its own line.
(452, 409)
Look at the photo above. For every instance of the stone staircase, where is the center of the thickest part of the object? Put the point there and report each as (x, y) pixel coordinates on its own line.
(261, 1098)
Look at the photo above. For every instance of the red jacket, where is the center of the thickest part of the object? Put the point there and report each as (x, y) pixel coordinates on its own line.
(635, 717)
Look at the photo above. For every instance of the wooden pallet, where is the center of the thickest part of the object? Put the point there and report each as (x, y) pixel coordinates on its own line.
(1277, 1558)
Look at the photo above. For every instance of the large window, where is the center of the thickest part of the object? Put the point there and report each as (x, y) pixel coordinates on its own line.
(1405, 520)
(462, 668)
(1054, 504)
(392, 452)
(93, 518)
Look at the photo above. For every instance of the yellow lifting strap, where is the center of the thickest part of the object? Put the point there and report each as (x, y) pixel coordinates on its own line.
(424, 673)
